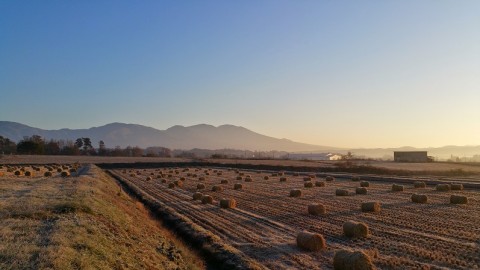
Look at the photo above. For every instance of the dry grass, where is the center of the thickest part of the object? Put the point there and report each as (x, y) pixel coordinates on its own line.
(83, 222)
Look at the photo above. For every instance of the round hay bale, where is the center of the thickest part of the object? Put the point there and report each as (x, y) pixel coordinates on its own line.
(329, 178)
(224, 181)
(28, 173)
(265, 177)
(310, 241)
(361, 190)
(217, 188)
(419, 184)
(219, 174)
(346, 259)
(200, 186)
(47, 174)
(178, 183)
(364, 184)
(228, 203)
(207, 199)
(341, 192)
(356, 178)
(182, 179)
(355, 229)
(163, 180)
(458, 199)
(241, 173)
(65, 174)
(419, 198)
(201, 178)
(295, 193)
(443, 187)
(237, 186)
(308, 184)
(371, 207)
(397, 188)
(283, 179)
(18, 173)
(197, 196)
(456, 186)
(248, 179)
(148, 178)
(171, 185)
(319, 184)
(239, 178)
(316, 209)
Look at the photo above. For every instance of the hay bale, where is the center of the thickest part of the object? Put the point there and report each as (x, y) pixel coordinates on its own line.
(316, 209)
(371, 207)
(237, 186)
(178, 183)
(295, 193)
(341, 192)
(329, 178)
(219, 174)
(397, 188)
(310, 241)
(18, 173)
(47, 174)
(163, 180)
(197, 196)
(283, 179)
(361, 190)
(356, 178)
(182, 179)
(171, 185)
(355, 229)
(148, 178)
(265, 177)
(364, 184)
(217, 188)
(419, 198)
(201, 178)
(456, 186)
(224, 181)
(28, 173)
(458, 199)
(248, 179)
(308, 184)
(200, 186)
(346, 259)
(207, 199)
(239, 178)
(443, 187)
(228, 203)
(65, 174)
(319, 184)
(419, 184)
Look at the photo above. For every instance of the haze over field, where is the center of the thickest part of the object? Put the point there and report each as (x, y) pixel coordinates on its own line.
(343, 74)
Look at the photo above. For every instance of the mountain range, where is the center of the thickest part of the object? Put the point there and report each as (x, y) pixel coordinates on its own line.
(177, 137)
(210, 137)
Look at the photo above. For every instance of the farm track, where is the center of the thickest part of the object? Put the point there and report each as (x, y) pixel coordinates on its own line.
(265, 223)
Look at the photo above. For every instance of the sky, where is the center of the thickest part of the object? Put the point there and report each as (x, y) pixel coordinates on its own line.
(333, 73)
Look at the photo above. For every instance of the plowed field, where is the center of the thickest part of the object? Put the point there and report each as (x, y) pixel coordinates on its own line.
(264, 225)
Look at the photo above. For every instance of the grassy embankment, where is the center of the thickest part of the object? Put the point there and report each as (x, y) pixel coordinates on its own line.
(84, 222)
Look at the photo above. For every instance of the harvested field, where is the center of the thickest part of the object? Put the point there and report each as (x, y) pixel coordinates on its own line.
(266, 221)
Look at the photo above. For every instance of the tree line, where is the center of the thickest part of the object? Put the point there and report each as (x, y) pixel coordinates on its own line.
(36, 145)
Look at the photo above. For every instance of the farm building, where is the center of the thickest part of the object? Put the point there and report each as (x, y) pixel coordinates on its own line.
(410, 156)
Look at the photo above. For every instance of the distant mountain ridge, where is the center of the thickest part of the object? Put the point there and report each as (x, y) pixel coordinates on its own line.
(177, 137)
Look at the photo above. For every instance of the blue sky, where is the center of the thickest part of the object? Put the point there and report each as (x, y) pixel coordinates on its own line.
(338, 73)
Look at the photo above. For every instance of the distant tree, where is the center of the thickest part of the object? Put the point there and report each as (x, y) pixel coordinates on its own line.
(137, 152)
(31, 145)
(79, 143)
(102, 149)
(87, 146)
(117, 152)
(7, 146)
(52, 148)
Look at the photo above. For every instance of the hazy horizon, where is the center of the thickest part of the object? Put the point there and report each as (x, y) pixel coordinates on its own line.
(351, 74)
